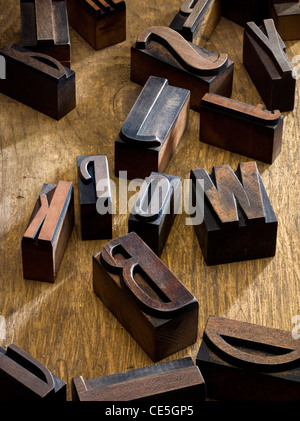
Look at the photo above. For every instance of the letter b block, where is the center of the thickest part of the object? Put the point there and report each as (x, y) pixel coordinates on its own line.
(239, 221)
(152, 304)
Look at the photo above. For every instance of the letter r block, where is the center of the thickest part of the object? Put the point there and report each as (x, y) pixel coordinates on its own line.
(239, 221)
(140, 290)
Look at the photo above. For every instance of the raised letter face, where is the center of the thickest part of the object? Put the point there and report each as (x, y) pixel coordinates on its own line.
(227, 337)
(45, 224)
(101, 174)
(257, 114)
(196, 62)
(154, 114)
(138, 258)
(153, 198)
(38, 61)
(227, 190)
(272, 44)
(193, 9)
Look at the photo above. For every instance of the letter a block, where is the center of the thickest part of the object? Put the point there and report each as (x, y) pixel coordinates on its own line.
(246, 362)
(155, 210)
(139, 289)
(239, 221)
(48, 232)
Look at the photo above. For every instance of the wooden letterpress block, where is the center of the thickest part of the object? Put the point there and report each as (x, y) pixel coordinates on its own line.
(197, 19)
(100, 22)
(163, 52)
(243, 11)
(94, 197)
(145, 296)
(286, 15)
(268, 66)
(246, 362)
(152, 130)
(241, 128)
(178, 379)
(239, 222)
(23, 378)
(45, 28)
(48, 232)
(39, 81)
(155, 210)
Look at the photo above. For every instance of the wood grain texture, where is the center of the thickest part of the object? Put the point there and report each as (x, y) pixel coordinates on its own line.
(35, 149)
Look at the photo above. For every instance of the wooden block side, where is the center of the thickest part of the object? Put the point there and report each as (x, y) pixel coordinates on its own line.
(240, 136)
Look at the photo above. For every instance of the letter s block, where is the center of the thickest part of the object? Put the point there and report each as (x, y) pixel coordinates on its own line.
(239, 221)
(246, 362)
(162, 52)
(48, 232)
(145, 296)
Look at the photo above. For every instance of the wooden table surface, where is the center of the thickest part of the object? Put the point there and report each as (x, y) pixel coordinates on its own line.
(65, 325)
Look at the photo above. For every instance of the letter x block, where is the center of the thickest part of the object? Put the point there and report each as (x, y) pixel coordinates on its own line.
(239, 221)
(140, 290)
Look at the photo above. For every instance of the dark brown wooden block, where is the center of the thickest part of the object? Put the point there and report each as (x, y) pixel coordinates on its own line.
(94, 197)
(145, 296)
(100, 22)
(241, 128)
(246, 362)
(48, 232)
(23, 378)
(155, 210)
(286, 15)
(173, 380)
(39, 81)
(239, 222)
(197, 19)
(45, 28)
(163, 52)
(152, 130)
(268, 66)
(243, 11)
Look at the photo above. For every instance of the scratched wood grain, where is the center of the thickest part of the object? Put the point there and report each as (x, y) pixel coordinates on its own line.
(64, 325)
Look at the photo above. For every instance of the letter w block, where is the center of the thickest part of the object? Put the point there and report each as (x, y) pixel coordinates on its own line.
(239, 221)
